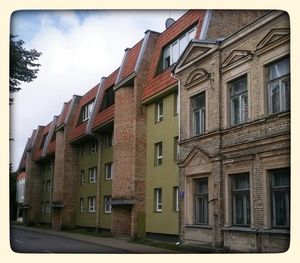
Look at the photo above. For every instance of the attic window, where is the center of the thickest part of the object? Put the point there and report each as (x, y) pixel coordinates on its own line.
(172, 52)
(44, 140)
(86, 111)
(108, 99)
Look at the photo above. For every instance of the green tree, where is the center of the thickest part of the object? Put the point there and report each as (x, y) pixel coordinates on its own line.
(22, 65)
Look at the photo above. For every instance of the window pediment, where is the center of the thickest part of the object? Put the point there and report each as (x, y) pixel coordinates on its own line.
(197, 161)
(274, 38)
(236, 58)
(197, 76)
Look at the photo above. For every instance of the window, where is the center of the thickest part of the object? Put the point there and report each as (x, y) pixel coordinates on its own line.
(176, 198)
(108, 171)
(86, 111)
(279, 86)
(108, 98)
(172, 52)
(201, 201)
(48, 185)
(158, 153)
(238, 101)
(81, 202)
(93, 174)
(107, 204)
(198, 108)
(176, 149)
(92, 204)
(159, 111)
(82, 177)
(92, 146)
(47, 208)
(157, 200)
(241, 200)
(43, 140)
(42, 207)
(108, 140)
(280, 192)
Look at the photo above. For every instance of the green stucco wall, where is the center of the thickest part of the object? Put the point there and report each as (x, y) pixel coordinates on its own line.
(163, 176)
(88, 160)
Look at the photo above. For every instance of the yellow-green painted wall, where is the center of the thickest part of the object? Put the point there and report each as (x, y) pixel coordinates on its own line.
(105, 187)
(88, 160)
(163, 176)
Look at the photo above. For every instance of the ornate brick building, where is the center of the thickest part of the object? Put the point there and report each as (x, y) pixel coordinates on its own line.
(109, 161)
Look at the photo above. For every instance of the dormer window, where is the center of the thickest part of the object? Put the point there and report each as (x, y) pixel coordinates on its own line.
(43, 141)
(172, 52)
(108, 99)
(86, 111)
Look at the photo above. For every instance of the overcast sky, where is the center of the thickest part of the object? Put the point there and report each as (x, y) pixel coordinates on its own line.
(79, 47)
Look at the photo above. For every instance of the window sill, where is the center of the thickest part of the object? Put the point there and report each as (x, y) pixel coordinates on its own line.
(239, 229)
(276, 231)
(198, 226)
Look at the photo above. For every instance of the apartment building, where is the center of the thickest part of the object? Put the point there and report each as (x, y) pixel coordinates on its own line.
(124, 156)
(235, 138)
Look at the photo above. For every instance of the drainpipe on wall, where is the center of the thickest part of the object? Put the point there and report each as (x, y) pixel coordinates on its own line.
(179, 139)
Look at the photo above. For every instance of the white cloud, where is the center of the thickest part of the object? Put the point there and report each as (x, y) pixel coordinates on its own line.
(76, 54)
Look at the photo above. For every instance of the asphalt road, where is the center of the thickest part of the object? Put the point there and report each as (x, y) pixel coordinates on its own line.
(24, 241)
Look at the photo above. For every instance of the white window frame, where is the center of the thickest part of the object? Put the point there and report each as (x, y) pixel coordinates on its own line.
(158, 199)
(47, 208)
(158, 153)
(87, 111)
(48, 185)
(93, 146)
(108, 140)
(159, 111)
(107, 205)
(92, 174)
(284, 99)
(108, 171)
(241, 97)
(92, 204)
(199, 115)
(82, 177)
(173, 51)
(176, 149)
(81, 204)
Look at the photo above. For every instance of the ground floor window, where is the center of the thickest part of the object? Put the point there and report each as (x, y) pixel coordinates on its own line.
(280, 197)
(201, 201)
(107, 204)
(241, 200)
(92, 204)
(158, 200)
(81, 201)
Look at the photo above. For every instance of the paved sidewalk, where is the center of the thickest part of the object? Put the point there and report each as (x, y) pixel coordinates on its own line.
(121, 243)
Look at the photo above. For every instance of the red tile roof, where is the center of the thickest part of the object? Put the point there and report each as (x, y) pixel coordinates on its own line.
(36, 149)
(52, 143)
(130, 61)
(64, 113)
(79, 129)
(106, 115)
(158, 82)
(22, 175)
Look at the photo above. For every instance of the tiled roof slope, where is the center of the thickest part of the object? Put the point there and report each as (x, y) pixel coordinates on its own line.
(63, 114)
(130, 61)
(106, 115)
(51, 146)
(22, 175)
(159, 82)
(37, 150)
(79, 129)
